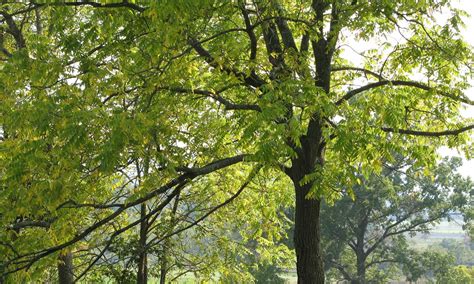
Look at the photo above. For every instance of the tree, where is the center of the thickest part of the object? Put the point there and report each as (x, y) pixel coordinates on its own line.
(376, 220)
(462, 250)
(459, 274)
(210, 86)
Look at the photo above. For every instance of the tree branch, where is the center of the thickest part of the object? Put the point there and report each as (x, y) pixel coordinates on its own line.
(349, 68)
(379, 262)
(414, 84)
(249, 31)
(341, 269)
(304, 45)
(157, 210)
(429, 133)
(252, 80)
(272, 44)
(30, 258)
(2, 46)
(38, 24)
(29, 224)
(214, 166)
(285, 32)
(124, 4)
(214, 95)
(202, 218)
(410, 228)
(14, 30)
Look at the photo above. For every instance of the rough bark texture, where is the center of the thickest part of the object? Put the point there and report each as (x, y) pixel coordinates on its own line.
(309, 261)
(307, 238)
(142, 274)
(310, 265)
(65, 268)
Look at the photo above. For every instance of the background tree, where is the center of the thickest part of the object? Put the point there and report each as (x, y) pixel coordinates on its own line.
(368, 230)
(459, 274)
(462, 250)
(228, 85)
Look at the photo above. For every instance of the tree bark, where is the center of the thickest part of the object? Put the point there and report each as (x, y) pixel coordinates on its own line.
(163, 270)
(167, 243)
(310, 158)
(309, 260)
(359, 249)
(142, 274)
(65, 268)
(360, 278)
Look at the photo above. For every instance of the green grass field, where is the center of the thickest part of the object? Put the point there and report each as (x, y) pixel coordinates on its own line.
(445, 230)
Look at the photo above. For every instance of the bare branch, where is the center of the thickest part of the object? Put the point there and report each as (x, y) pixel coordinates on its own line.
(214, 166)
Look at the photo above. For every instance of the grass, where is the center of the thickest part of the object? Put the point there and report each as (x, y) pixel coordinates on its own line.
(444, 230)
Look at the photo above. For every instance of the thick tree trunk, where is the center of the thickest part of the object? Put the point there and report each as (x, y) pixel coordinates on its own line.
(309, 260)
(142, 274)
(307, 238)
(65, 268)
(310, 157)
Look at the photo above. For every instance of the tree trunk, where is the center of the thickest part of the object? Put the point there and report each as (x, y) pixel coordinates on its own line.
(65, 268)
(310, 158)
(309, 260)
(360, 278)
(361, 267)
(142, 274)
(359, 249)
(360, 270)
(163, 270)
(167, 243)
